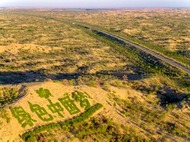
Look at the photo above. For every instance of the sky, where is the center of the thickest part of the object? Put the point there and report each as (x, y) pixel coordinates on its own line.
(94, 3)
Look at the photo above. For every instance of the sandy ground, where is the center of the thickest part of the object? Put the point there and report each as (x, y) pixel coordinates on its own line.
(12, 130)
(32, 48)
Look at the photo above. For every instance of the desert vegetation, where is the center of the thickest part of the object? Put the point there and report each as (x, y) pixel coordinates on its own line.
(63, 82)
(163, 30)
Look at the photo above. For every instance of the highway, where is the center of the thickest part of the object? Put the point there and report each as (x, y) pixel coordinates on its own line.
(144, 49)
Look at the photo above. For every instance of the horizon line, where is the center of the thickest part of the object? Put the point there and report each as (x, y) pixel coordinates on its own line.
(49, 7)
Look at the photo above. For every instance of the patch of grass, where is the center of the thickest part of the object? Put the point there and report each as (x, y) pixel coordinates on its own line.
(8, 95)
(5, 115)
(69, 122)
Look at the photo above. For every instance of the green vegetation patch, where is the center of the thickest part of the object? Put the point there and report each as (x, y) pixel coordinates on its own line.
(41, 112)
(8, 95)
(50, 126)
(4, 115)
(22, 116)
(43, 93)
(69, 105)
(82, 98)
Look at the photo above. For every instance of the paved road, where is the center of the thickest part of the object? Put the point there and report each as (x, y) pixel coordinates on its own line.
(149, 51)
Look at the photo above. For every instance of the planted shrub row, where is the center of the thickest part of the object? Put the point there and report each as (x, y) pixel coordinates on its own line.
(77, 119)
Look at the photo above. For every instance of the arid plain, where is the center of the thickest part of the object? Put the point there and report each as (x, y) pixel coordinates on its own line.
(63, 82)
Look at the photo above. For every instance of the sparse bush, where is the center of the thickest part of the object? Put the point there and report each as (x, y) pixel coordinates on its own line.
(8, 95)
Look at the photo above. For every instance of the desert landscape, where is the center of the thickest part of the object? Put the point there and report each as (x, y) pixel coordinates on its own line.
(60, 81)
(164, 30)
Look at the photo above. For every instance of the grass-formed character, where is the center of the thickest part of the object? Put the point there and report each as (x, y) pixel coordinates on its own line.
(43, 93)
(55, 108)
(69, 105)
(82, 98)
(22, 116)
(41, 112)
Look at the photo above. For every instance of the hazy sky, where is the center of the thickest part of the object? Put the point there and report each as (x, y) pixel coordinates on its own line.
(96, 3)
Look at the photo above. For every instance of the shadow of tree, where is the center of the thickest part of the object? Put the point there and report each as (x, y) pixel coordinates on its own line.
(170, 96)
(165, 94)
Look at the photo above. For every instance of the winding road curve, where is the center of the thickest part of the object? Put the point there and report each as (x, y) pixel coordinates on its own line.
(149, 51)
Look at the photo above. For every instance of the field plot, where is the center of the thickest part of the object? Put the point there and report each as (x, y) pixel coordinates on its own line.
(60, 82)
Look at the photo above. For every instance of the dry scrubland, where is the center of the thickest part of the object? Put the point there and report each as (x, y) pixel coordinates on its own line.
(33, 48)
(142, 98)
(164, 30)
